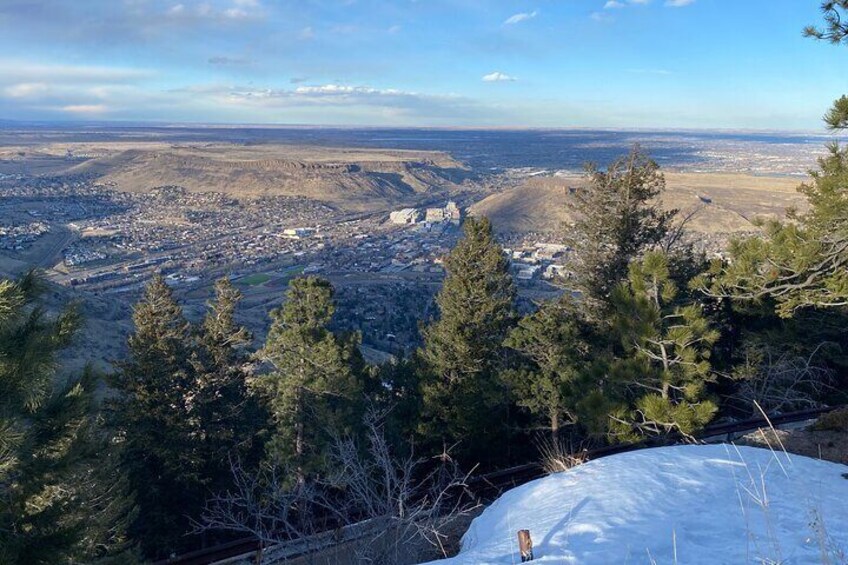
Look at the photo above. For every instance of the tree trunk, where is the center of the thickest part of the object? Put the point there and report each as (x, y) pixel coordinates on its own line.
(298, 442)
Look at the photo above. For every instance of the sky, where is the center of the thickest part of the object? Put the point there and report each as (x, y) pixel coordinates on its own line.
(738, 64)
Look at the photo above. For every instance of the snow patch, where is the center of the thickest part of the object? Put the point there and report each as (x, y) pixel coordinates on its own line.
(688, 504)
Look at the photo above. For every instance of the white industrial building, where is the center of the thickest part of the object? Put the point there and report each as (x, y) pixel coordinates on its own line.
(406, 216)
(298, 233)
(449, 213)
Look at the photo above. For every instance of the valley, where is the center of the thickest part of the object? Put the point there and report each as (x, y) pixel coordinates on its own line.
(101, 212)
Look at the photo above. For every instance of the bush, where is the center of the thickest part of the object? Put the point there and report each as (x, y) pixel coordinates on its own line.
(836, 421)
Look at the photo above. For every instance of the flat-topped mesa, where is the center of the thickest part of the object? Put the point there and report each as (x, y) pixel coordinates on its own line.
(358, 180)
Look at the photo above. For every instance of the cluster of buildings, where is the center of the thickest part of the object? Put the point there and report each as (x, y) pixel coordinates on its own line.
(174, 231)
(539, 261)
(450, 212)
(81, 254)
(18, 237)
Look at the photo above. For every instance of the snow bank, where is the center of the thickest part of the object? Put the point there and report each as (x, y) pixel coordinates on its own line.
(706, 503)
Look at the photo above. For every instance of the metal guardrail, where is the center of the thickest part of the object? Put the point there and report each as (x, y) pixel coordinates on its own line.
(492, 484)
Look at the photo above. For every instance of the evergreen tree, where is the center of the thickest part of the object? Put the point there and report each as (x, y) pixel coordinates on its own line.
(55, 503)
(802, 263)
(313, 390)
(156, 417)
(398, 395)
(616, 217)
(835, 20)
(552, 342)
(659, 324)
(225, 416)
(464, 400)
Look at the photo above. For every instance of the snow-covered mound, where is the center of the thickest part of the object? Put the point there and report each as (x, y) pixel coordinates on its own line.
(682, 504)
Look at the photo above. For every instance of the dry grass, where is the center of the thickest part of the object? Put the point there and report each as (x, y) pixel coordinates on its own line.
(836, 421)
(736, 199)
(754, 491)
(558, 455)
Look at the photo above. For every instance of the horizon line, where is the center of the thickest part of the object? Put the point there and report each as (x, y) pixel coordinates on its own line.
(4, 122)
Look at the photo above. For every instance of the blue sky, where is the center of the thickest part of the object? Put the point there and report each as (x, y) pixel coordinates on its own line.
(535, 63)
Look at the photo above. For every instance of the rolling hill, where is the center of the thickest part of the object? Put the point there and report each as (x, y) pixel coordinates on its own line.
(719, 202)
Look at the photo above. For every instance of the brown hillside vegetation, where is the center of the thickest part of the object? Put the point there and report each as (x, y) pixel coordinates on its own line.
(721, 202)
(351, 179)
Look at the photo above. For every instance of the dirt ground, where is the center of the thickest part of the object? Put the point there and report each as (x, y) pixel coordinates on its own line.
(828, 445)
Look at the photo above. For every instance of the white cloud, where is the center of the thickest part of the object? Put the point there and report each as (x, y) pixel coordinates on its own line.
(678, 3)
(85, 108)
(226, 60)
(520, 17)
(70, 89)
(238, 10)
(617, 4)
(313, 94)
(15, 70)
(307, 33)
(498, 76)
(394, 29)
(236, 13)
(26, 90)
(322, 101)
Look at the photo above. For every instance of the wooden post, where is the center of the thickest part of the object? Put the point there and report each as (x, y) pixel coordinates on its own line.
(525, 545)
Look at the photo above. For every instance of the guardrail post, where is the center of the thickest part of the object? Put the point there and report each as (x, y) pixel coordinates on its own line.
(525, 545)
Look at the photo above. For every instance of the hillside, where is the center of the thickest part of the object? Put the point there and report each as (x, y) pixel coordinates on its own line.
(686, 504)
(350, 179)
(734, 200)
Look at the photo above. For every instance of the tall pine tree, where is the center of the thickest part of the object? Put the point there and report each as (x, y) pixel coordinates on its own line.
(227, 418)
(155, 414)
(616, 218)
(313, 390)
(59, 498)
(464, 399)
(554, 352)
(667, 329)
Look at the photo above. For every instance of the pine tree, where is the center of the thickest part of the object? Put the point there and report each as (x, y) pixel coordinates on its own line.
(398, 395)
(798, 264)
(835, 31)
(659, 324)
(836, 23)
(225, 416)
(156, 417)
(54, 499)
(313, 390)
(464, 400)
(803, 263)
(551, 341)
(617, 217)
